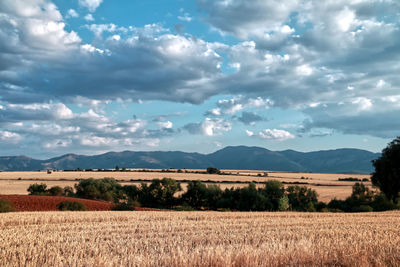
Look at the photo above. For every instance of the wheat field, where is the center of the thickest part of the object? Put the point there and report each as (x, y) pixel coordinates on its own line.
(199, 239)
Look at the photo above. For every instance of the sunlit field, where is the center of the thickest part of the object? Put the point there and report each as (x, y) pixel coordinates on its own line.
(199, 239)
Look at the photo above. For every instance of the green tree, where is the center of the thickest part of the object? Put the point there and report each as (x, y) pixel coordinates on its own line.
(360, 199)
(387, 170)
(160, 193)
(274, 191)
(212, 170)
(195, 195)
(56, 191)
(37, 189)
(102, 189)
(302, 198)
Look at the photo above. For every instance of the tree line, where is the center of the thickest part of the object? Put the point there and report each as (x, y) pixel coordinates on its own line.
(167, 193)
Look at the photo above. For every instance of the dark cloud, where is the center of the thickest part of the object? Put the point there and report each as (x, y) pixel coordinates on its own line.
(250, 118)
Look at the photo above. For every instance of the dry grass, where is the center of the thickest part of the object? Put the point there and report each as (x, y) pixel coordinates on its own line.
(199, 239)
(244, 176)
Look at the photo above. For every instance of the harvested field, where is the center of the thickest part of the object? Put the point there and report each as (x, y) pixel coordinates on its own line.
(199, 239)
(243, 176)
(49, 203)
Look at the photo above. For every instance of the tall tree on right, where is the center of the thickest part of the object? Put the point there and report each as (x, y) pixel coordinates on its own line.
(387, 171)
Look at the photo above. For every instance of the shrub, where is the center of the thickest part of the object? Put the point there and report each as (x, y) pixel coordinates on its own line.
(101, 189)
(5, 206)
(283, 203)
(185, 207)
(126, 206)
(71, 205)
(212, 170)
(381, 203)
(55, 191)
(37, 189)
(362, 208)
(68, 191)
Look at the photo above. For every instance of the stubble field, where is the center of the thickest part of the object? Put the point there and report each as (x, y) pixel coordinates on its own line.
(327, 185)
(199, 239)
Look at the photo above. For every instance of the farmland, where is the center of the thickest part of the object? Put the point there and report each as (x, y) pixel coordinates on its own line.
(327, 186)
(199, 239)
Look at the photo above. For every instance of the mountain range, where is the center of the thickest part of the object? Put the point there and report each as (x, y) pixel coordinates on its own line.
(232, 157)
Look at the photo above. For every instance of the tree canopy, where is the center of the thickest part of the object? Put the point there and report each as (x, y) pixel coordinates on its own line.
(387, 170)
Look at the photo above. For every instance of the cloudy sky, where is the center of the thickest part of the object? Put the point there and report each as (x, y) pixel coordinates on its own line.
(90, 76)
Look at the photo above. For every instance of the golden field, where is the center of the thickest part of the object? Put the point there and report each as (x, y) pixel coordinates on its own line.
(199, 239)
(326, 185)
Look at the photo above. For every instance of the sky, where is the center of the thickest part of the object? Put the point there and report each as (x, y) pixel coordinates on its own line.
(91, 76)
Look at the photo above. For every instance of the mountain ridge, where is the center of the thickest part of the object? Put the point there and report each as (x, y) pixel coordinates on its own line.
(342, 160)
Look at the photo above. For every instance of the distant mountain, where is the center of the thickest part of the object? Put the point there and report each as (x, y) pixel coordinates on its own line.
(232, 157)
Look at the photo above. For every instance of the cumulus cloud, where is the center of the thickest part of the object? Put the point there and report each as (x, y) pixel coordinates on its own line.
(89, 17)
(71, 13)
(247, 18)
(37, 112)
(272, 134)
(91, 5)
(145, 61)
(209, 127)
(337, 62)
(238, 103)
(165, 124)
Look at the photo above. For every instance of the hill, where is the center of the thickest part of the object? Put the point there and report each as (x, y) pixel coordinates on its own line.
(231, 157)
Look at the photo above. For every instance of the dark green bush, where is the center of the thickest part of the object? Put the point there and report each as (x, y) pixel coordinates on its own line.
(212, 170)
(37, 189)
(55, 191)
(101, 189)
(5, 206)
(381, 203)
(126, 206)
(362, 208)
(71, 205)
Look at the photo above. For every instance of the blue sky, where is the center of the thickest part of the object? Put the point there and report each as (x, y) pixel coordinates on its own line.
(91, 76)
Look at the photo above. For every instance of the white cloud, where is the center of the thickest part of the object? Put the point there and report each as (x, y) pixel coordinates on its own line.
(238, 103)
(273, 134)
(186, 17)
(165, 124)
(304, 70)
(11, 137)
(209, 127)
(35, 112)
(249, 133)
(91, 5)
(247, 18)
(89, 17)
(72, 13)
